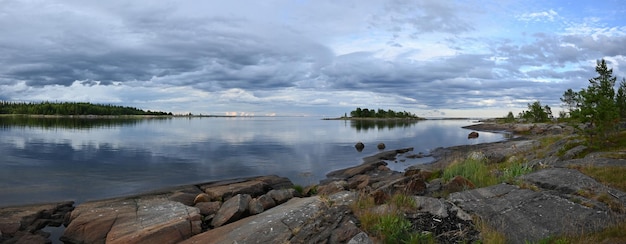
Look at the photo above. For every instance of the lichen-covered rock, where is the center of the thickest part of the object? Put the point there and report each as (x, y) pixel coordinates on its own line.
(525, 215)
(299, 220)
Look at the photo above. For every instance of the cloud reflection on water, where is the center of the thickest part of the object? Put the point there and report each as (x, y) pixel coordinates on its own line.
(99, 162)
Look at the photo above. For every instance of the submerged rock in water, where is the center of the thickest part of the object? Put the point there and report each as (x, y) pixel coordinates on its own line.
(381, 146)
(359, 146)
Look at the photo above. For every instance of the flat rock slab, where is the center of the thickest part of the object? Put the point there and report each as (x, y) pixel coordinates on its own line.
(142, 219)
(526, 215)
(276, 225)
(299, 220)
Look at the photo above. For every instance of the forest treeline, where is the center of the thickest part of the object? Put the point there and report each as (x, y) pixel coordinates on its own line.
(600, 108)
(71, 108)
(380, 113)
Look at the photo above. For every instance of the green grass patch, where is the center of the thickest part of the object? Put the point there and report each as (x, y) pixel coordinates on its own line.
(298, 189)
(513, 170)
(472, 169)
(402, 201)
(612, 234)
(609, 175)
(393, 228)
(489, 234)
(389, 225)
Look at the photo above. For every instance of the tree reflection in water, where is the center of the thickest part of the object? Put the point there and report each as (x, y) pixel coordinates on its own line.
(373, 124)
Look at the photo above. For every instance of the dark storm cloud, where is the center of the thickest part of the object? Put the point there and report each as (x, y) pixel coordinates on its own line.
(216, 52)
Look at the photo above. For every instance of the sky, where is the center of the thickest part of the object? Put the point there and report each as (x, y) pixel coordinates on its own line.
(467, 58)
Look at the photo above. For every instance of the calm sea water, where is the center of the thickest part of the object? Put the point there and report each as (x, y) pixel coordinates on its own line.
(44, 160)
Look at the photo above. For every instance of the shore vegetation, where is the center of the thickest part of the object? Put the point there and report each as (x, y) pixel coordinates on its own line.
(380, 114)
(71, 108)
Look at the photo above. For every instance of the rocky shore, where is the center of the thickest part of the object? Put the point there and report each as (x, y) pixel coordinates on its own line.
(270, 209)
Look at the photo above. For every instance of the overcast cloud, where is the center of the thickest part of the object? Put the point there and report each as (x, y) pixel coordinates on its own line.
(319, 58)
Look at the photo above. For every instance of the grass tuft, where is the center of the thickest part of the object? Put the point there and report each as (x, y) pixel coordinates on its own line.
(474, 170)
(609, 175)
(489, 234)
(403, 201)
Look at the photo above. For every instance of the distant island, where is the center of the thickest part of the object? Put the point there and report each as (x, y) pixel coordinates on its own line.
(72, 109)
(379, 114)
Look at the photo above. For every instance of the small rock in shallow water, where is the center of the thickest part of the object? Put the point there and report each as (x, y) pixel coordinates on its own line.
(381, 146)
(359, 146)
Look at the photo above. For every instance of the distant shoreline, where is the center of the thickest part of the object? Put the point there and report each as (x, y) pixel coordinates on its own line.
(372, 119)
(129, 116)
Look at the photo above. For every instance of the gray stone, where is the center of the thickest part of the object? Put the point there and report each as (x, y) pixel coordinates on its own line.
(434, 206)
(266, 201)
(272, 226)
(255, 207)
(231, 210)
(525, 215)
(361, 238)
(281, 196)
(572, 153)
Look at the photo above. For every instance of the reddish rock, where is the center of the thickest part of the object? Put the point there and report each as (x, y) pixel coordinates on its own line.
(255, 207)
(358, 182)
(188, 199)
(143, 219)
(472, 135)
(276, 182)
(232, 210)
(202, 197)
(380, 196)
(415, 186)
(458, 183)
(356, 170)
(383, 168)
(266, 201)
(410, 172)
(224, 192)
(424, 174)
(208, 208)
(332, 187)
